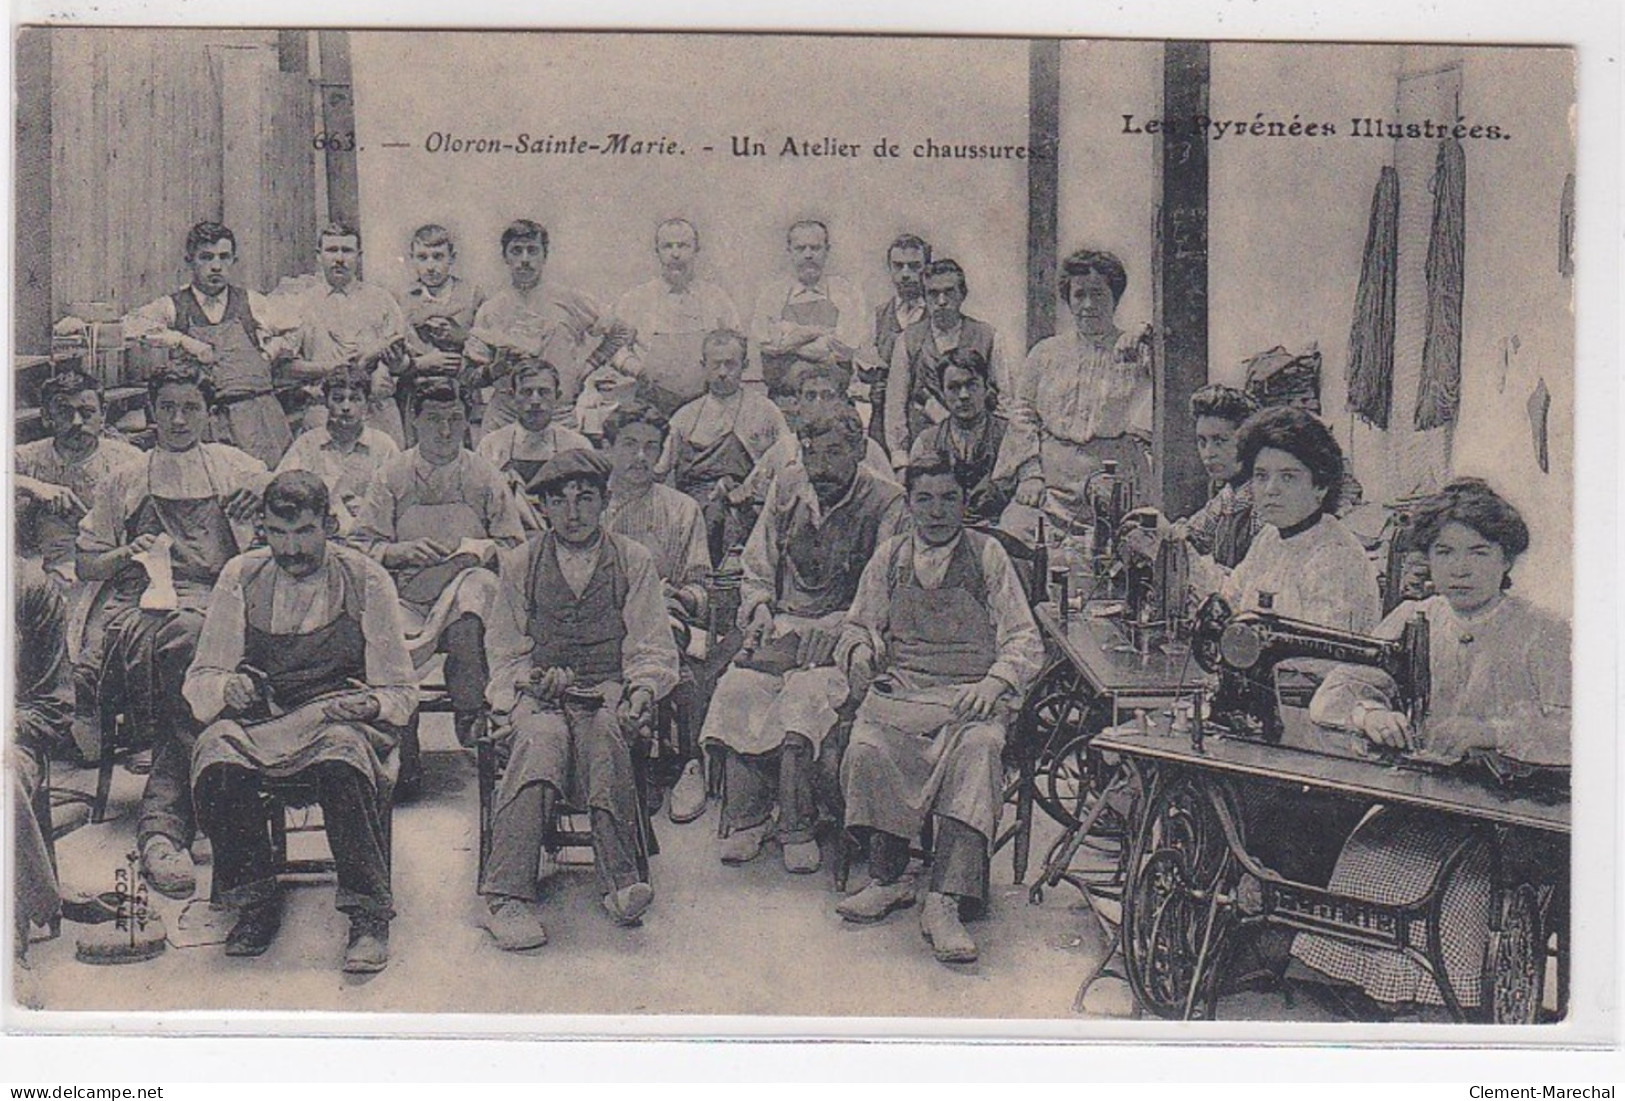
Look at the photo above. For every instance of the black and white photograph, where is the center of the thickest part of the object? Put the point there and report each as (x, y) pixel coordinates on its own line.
(1067, 531)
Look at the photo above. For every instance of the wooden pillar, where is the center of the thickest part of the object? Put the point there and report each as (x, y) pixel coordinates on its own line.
(338, 123)
(31, 304)
(1179, 276)
(1043, 184)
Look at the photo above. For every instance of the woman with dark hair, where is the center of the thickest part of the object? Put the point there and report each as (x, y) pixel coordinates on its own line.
(1082, 398)
(1500, 683)
(1312, 567)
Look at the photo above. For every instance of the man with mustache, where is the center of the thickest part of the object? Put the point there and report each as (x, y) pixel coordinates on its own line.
(301, 673)
(916, 400)
(906, 259)
(940, 612)
(218, 325)
(55, 482)
(344, 320)
(776, 703)
(810, 317)
(435, 517)
(672, 313)
(970, 438)
(180, 513)
(538, 319)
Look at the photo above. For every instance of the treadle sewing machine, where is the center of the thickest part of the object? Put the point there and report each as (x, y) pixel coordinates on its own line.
(1192, 883)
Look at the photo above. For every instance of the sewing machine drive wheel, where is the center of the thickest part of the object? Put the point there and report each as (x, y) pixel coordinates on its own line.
(1059, 711)
(1172, 938)
(1069, 784)
(1515, 958)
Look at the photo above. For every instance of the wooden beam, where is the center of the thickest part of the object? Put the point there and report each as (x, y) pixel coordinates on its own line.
(1043, 184)
(31, 332)
(1180, 276)
(338, 123)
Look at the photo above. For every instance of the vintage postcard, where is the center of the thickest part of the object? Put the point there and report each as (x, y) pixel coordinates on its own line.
(1056, 535)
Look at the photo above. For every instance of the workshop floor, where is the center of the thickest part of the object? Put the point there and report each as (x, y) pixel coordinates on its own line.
(748, 940)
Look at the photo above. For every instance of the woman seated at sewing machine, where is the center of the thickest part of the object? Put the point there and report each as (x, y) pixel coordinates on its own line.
(1500, 673)
(1303, 564)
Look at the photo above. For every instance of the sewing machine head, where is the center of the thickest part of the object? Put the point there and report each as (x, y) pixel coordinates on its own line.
(1156, 583)
(1245, 650)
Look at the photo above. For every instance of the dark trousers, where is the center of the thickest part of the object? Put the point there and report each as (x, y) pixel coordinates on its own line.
(230, 808)
(788, 777)
(520, 828)
(463, 643)
(147, 655)
(959, 860)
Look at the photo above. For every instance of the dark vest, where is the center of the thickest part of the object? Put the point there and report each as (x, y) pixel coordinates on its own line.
(946, 633)
(887, 330)
(189, 315)
(583, 633)
(925, 365)
(819, 567)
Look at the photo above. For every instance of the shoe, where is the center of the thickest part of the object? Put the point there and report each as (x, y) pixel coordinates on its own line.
(256, 928)
(368, 950)
(628, 905)
(514, 926)
(688, 795)
(470, 727)
(743, 846)
(91, 909)
(168, 868)
(802, 857)
(876, 900)
(939, 924)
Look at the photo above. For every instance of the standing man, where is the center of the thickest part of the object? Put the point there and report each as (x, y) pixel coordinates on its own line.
(439, 309)
(301, 672)
(159, 532)
(435, 517)
(537, 319)
(810, 317)
(905, 265)
(580, 654)
(344, 452)
(776, 703)
(218, 325)
(716, 440)
(343, 320)
(671, 315)
(916, 399)
(941, 615)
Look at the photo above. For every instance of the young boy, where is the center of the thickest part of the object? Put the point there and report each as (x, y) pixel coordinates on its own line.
(439, 309)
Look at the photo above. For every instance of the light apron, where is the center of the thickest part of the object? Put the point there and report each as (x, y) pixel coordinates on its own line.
(252, 418)
(438, 595)
(776, 369)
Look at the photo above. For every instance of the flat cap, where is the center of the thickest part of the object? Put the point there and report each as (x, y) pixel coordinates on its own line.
(577, 462)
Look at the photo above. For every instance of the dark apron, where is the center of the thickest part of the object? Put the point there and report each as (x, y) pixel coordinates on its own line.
(253, 419)
(776, 369)
(696, 472)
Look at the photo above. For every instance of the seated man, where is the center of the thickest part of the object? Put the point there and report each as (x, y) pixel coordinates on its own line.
(1222, 529)
(776, 703)
(716, 439)
(580, 653)
(301, 672)
(940, 615)
(970, 438)
(55, 483)
(345, 453)
(159, 532)
(520, 449)
(439, 308)
(670, 527)
(435, 516)
(818, 389)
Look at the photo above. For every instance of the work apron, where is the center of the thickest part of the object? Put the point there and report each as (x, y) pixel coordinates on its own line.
(776, 369)
(250, 418)
(696, 472)
(438, 595)
(1067, 466)
(303, 672)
